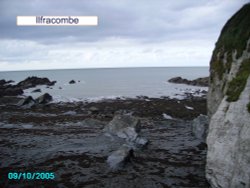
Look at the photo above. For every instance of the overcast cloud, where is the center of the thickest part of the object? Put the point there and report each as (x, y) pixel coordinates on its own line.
(130, 33)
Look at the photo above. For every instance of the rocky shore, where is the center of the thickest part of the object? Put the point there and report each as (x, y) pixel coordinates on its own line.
(203, 82)
(133, 142)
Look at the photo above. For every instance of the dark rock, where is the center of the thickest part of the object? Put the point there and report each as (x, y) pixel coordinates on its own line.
(34, 81)
(26, 102)
(36, 91)
(43, 99)
(72, 82)
(10, 91)
(3, 82)
(204, 82)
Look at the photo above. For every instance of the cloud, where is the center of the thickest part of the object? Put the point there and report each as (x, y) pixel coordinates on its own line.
(130, 33)
(113, 52)
(141, 20)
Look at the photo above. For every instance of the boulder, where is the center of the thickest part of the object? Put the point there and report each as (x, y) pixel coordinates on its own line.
(126, 127)
(200, 127)
(34, 81)
(119, 157)
(43, 99)
(72, 82)
(26, 102)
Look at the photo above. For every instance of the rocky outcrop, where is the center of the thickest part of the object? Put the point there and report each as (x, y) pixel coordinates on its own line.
(6, 89)
(28, 102)
(228, 155)
(197, 82)
(72, 82)
(34, 81)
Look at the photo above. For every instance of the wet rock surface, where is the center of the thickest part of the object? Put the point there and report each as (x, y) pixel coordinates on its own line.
(66, 139)
(8, 89)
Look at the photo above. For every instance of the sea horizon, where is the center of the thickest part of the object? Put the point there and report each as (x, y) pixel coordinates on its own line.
(87, 68)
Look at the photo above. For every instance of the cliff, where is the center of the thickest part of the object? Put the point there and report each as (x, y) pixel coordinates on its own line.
(228, 157)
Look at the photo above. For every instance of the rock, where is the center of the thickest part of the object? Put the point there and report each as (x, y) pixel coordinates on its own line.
(228, 140)
(119, 157)
(200, 127)
(93, 110)
(36, 91)
(34, 81)
(4, 82)
(72, 82)
(126, 127)
(26, 102)
(43, 99)
(141, 141)
(11, 91)
(197, 82)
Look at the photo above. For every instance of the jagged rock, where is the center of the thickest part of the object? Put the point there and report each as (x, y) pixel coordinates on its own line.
(119, 157)
(26, 102)
(72, 82)
(197, 82)
(228, 140)
(34, 81)
(36, 91)
(43, 99)
(127, 127)
(124, 126)
(200, 127)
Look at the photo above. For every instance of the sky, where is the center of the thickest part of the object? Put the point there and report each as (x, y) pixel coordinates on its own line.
(130, 33)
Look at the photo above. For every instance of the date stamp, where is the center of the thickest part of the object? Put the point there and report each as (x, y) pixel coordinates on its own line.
(31, 176)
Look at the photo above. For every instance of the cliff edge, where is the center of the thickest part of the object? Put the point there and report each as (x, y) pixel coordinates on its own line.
(228, 156)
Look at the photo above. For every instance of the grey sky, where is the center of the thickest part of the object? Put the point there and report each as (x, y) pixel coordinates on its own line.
(130, 33)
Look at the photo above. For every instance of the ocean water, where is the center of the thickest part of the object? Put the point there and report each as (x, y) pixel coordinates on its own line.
(95, 84)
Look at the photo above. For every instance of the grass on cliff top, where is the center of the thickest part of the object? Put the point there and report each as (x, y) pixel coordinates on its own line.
(234, 36)
(237, 84)
(235, 33)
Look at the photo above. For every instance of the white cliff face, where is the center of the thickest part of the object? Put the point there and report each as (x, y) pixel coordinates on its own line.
(228, 140)
(228, 157)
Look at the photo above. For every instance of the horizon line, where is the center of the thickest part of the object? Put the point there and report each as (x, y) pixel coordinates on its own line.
(100, 68)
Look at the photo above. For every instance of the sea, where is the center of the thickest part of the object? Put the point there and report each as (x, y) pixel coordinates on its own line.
(111, 83)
